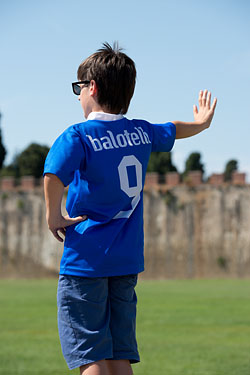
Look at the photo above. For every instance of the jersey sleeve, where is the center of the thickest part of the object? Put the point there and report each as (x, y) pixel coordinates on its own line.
(163, 136)
(65, 156)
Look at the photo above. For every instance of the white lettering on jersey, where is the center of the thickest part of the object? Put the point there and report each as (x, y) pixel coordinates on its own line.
(112, 141)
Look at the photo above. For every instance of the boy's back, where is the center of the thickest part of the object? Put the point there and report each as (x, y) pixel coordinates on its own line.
(105, 163)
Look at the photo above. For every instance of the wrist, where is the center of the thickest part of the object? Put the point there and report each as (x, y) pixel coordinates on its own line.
(202, 124)
(53, 216)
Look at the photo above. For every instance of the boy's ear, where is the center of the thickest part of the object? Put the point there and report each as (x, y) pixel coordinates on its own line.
(93, 88)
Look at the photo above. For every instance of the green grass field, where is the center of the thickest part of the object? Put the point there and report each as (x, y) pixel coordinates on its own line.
(196, 327)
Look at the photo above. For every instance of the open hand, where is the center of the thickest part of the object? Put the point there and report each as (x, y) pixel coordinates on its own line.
(61, 223)
(205, 114)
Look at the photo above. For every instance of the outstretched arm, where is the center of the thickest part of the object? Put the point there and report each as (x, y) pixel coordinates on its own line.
(53, 191)
(202, 117)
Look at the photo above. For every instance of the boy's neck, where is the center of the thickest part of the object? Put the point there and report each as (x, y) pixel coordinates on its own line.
(97, 108)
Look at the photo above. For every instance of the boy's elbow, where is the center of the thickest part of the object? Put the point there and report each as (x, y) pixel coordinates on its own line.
(50, 177)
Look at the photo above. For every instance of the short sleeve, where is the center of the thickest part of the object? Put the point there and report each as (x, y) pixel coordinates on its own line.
(163, 136)
(65, 156)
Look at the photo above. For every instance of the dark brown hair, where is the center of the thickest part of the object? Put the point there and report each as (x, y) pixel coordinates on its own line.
(115, 75)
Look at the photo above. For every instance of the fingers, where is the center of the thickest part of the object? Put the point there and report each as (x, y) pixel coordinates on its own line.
(205, 99)
(200, 98)
(73, 220)
(214, 104)
(208, 100)
(56, 235)
(63, 231)
(61, 224)
(195, 109)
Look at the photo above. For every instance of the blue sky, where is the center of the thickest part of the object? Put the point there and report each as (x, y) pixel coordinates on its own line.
(179, 47)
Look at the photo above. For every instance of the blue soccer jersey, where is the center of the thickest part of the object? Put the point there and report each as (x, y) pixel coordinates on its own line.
(104, 163)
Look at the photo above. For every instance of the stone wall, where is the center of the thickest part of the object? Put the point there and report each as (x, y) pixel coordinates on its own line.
(26, 245)
(198, 232)
(190, 232)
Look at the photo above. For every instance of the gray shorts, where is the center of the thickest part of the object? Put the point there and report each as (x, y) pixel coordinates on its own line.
(96, 318)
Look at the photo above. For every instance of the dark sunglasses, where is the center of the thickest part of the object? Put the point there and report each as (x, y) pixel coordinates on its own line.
(77, 88)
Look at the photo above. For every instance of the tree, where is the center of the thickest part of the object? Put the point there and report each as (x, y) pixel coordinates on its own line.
(231, 166)
(161, 163)
(31, 160)
(9, 170)
(2, 148)
(193, 163)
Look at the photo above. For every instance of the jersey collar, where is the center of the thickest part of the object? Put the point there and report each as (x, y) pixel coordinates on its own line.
(103, 116)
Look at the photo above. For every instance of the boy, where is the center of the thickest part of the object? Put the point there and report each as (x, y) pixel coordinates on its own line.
(104, 162)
